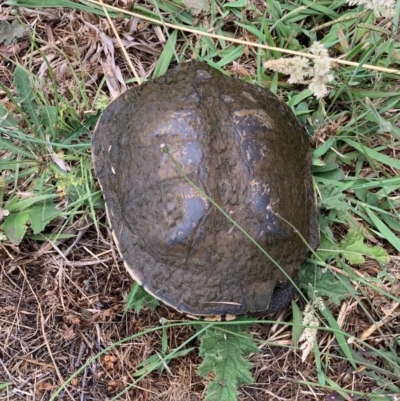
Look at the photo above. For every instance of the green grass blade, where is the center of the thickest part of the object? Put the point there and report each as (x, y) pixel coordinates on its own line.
(373, 154)
(166, 56)
(384, 230)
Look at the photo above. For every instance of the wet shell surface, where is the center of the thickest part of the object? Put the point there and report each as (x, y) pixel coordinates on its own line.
(244, 149)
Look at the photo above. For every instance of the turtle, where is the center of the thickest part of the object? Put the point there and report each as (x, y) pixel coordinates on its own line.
(202, 172)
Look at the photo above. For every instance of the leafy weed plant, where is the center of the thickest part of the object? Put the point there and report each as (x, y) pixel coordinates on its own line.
(46, 169)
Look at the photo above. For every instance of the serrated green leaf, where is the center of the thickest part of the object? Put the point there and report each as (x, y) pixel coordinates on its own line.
(14, 226)
(41, 214)
(353, 248)
(224, 349)
(49, 117)
(327, 249)
(332, 198)
(26, 95)
(323, 283)
(10, 32)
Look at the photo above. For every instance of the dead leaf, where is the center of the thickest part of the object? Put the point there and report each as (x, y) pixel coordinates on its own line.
(109, 361)
(72, 319)
(3, 214)
(8, 51)
(43, 386)
(114, 79)
(112, 386)
(197, 6)
(51, 293)
(69, 334)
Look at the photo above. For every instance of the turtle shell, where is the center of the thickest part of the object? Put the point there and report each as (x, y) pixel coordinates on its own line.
(240, 146)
